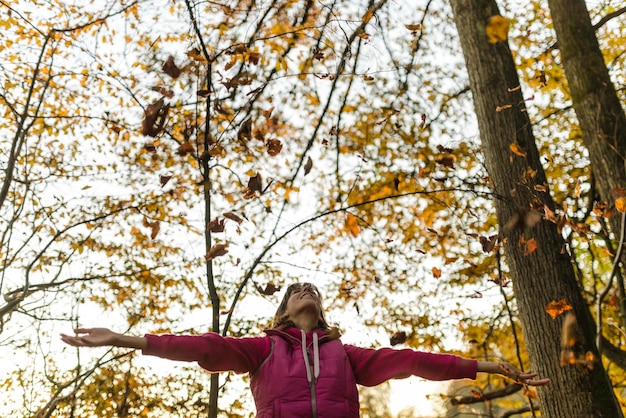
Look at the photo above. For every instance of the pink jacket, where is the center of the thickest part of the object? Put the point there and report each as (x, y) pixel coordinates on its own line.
(311, 381)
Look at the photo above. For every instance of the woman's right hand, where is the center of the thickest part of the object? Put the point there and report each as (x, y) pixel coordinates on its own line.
(91, 337)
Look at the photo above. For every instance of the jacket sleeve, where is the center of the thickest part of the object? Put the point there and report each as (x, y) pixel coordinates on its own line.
(372, 367)
(212, 351)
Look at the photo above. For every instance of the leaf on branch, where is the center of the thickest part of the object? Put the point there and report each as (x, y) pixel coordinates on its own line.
(399, 337)
(196, 55)
(217, 250)
(268, 290)
(170, 68)
(497, 29)
(308, 166)
(555, 308)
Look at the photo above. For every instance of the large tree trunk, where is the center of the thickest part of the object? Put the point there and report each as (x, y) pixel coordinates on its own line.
(600, 114)
(599, 111)
(546, 274)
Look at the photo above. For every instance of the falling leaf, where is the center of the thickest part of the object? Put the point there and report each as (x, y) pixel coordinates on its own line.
(164, 180)
(570, 336)
(398, 338)
(274, 146)
(413, 27)
(446, 160)
(268, 290)
(352, 225)
(155, 116)
(245, 130)
(217, 250)
(155, 227)
(308, 166)
(488, 244)
(517, 150)
(170, 68)
(233, 217)
(531, 246)
(253, 58)
(185, 149)
(216, 225)
(436, 272)
(497, 29)
(555, 309)
(255, 184)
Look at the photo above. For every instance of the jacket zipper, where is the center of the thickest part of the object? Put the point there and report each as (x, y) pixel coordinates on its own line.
(312, 386)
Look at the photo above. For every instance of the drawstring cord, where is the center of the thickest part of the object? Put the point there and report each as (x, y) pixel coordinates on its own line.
(316, 357)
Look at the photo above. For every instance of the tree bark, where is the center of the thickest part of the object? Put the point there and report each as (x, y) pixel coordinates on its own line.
(545, 274)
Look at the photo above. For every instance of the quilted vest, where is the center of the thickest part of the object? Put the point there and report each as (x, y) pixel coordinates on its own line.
(290, 385)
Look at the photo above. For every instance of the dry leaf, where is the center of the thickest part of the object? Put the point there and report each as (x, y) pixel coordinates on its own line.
(503, 107)
(398, 338)
(413, 27)
(274, 146)
(268, 290)
(217, 250)
(531, 246)
(170, 68)
(620, 204)
(308, 166)
(436, 272)
(245, 130)
(555, 309)
(517, 150)
(497, 29)
(352, 225)
(233, 217)
(216, 225)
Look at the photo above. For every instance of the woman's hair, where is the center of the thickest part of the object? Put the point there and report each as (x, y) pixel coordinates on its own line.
(280, 321)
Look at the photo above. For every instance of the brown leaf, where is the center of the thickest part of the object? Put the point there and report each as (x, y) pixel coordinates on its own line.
(446, 160)
(216, 225)
(170, 68)
(436, 272)
(245, 130)
(555, 309)
(185, 149)
(154, 118)
(253, 58)
(488, 244)
(164, 180)
(531, 246)
(268, 290)
(155, 227)
(413, 27)
(620, 204)
(233, 217)
(217, 250)
(308, 166)
(255, 184)
(274, 146)
(398, 338)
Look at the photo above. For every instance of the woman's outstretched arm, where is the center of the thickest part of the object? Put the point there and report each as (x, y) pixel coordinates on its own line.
(510, 371)
(98, 337)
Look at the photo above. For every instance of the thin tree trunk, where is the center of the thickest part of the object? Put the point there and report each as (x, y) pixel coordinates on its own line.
(546, 274)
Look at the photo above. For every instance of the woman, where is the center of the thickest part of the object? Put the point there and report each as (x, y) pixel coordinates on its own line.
(300, 368)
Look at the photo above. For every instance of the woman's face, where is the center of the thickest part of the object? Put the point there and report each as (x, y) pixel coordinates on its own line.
(303, 298)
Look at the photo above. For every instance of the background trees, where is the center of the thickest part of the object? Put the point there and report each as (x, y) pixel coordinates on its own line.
(170, 164)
